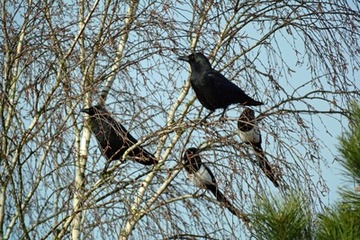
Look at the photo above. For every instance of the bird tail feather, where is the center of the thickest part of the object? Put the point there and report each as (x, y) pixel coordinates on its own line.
(265, 165)
(146, 159)
(223, 200)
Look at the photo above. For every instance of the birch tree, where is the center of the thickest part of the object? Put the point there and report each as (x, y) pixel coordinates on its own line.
(299, 58)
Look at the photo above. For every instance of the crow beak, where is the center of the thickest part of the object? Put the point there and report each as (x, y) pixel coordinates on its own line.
(86, 110)
(184, 58)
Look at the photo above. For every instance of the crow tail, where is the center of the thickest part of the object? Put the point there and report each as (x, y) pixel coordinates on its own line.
(140, 155)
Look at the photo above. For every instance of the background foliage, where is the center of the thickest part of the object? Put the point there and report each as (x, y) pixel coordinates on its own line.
(299, 58)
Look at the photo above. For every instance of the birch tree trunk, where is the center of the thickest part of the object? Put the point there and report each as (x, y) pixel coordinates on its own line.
(299, 58)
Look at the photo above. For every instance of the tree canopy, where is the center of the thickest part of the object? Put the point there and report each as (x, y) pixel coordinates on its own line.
(300, 58)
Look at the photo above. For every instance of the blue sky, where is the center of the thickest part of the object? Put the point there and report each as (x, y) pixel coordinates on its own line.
(291, 68)
(165, 77)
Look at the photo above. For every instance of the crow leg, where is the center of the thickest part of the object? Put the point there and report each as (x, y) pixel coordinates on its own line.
(222, 117)
(204, 119)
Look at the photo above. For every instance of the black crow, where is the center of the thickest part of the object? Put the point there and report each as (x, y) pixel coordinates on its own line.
(201, 176)
(212, 88)
(249, 132)
(114, 139)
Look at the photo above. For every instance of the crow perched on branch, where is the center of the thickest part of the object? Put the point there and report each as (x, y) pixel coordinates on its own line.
(114, 139)
(249, 133)
(212, 88)
(201, 176)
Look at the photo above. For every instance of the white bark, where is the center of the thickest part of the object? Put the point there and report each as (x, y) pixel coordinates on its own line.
(129, 19)
(10, 110)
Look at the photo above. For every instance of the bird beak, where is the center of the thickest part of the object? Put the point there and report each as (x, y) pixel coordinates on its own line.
(184, 58)
(86, 110)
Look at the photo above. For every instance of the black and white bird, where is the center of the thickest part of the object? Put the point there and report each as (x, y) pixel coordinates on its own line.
(201, 176)
(114, 139)
(213, 89)
(249, 133)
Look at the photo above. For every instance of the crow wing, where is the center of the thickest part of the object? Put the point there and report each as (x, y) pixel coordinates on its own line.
(225, 92)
